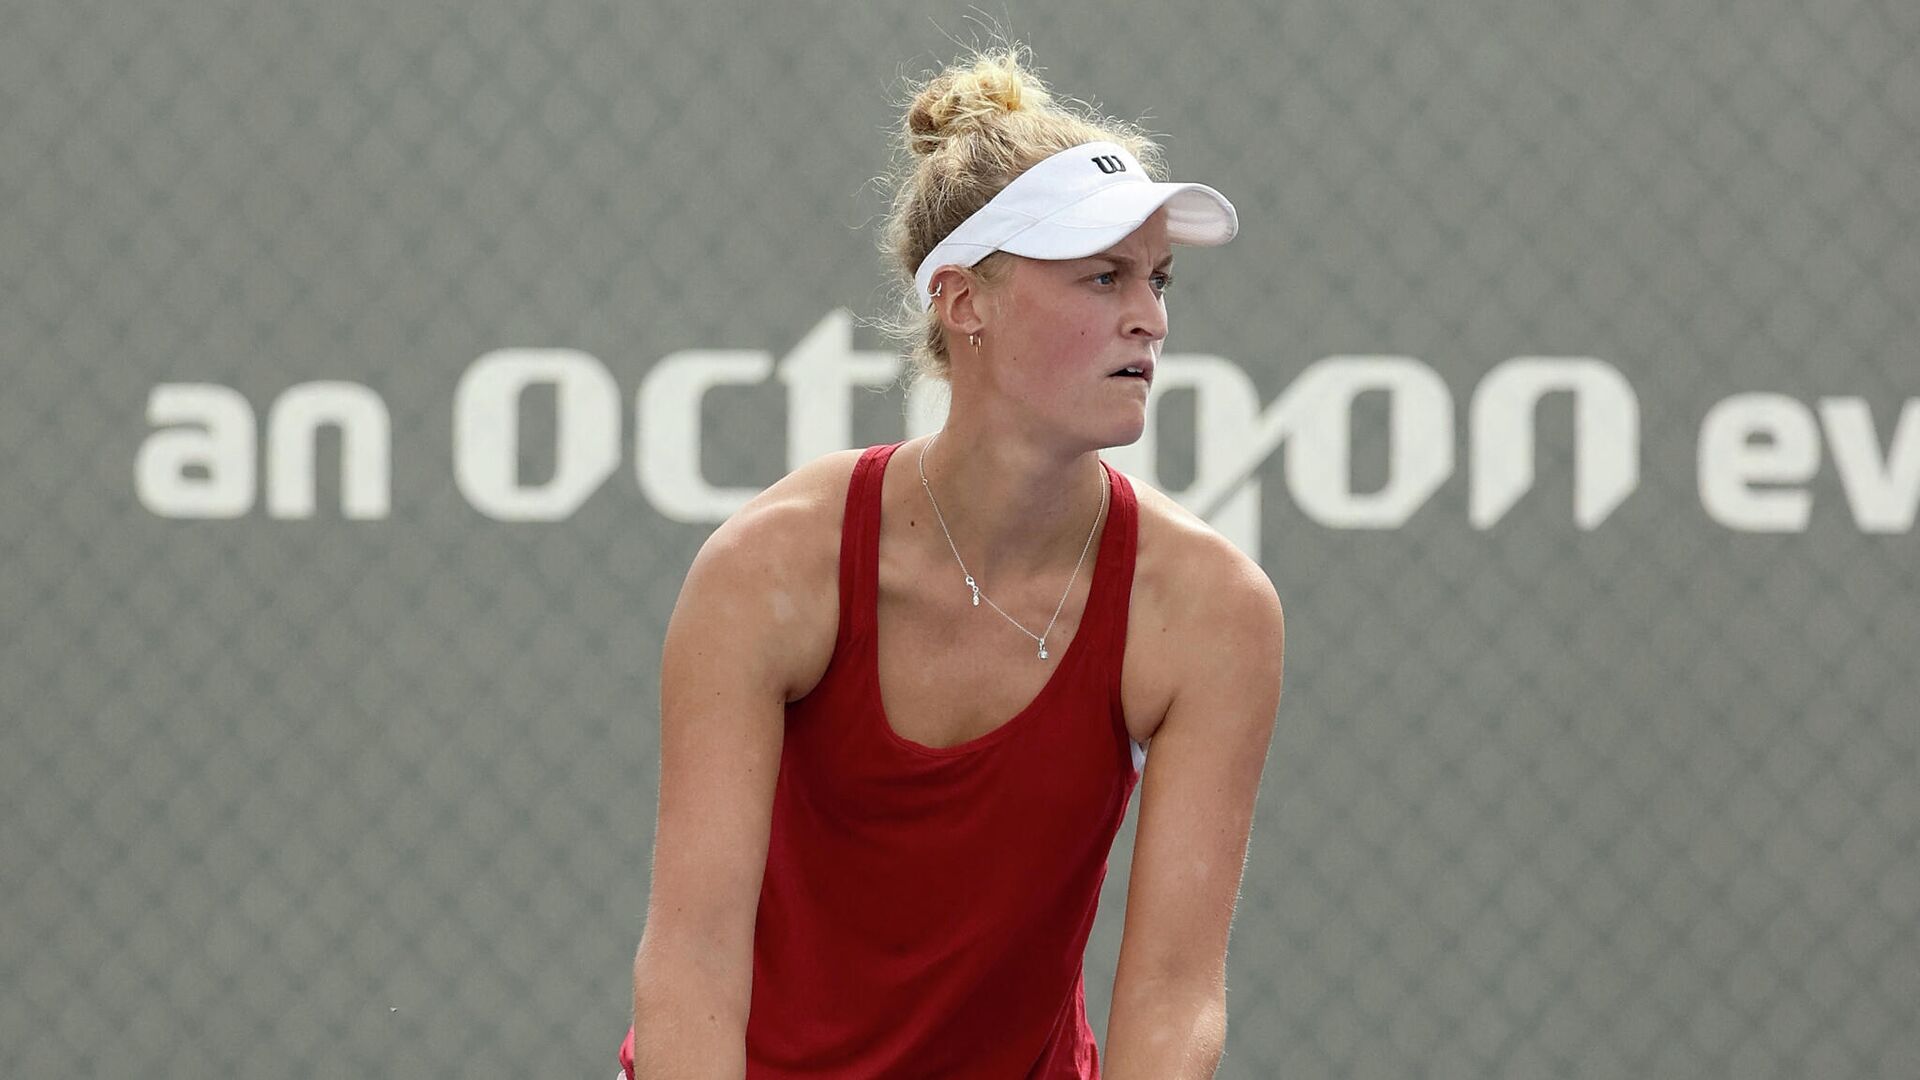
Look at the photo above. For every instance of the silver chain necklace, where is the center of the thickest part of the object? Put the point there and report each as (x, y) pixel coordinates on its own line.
(977, 594)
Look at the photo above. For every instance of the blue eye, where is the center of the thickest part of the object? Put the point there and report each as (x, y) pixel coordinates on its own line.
(1161, 280)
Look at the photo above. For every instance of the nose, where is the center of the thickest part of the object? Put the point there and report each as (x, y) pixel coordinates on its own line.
(1147, 314)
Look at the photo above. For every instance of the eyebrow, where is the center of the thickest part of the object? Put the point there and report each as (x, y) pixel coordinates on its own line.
(1126, 262)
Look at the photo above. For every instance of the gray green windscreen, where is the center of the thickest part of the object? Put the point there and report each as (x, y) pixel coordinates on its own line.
(372, 372)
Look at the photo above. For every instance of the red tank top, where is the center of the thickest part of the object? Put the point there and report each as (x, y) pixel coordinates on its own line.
(925, 911)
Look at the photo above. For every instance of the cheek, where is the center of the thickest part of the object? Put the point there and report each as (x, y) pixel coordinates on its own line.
(1063, 345)
(1061, 332)
(1065, 325)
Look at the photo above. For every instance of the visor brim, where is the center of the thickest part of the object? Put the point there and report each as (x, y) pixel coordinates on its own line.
(1197, 215)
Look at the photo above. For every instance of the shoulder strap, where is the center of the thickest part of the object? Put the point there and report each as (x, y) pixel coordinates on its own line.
(1114, 584)
(860, 542)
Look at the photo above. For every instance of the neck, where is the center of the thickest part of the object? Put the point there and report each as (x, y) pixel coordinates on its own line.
(1015, 509)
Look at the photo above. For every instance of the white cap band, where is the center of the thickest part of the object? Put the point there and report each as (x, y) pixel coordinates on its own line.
(1079, 202)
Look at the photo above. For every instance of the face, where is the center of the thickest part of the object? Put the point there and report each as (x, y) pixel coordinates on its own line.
(1061, 328)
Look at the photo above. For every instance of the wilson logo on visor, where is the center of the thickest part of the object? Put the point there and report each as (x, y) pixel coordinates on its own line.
(1110, 163)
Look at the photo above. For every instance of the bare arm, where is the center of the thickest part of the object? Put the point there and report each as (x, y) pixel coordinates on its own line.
(745, 632)
(1169, 1016)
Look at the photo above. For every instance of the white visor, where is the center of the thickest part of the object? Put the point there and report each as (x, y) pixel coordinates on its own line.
(1079, 202)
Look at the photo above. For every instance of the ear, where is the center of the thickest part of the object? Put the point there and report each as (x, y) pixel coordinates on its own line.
(961, 303)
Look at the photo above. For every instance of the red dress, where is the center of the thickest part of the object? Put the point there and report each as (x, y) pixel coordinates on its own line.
(925, 912)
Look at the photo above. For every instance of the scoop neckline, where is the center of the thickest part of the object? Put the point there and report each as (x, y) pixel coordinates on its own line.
(1018, 719)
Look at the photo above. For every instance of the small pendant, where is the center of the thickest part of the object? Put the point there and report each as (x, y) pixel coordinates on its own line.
(976, 590)
(1043, 650)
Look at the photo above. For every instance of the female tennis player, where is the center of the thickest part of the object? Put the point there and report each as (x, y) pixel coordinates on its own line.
(907, 691)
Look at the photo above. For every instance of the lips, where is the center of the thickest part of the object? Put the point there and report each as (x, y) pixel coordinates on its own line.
(1146, 371)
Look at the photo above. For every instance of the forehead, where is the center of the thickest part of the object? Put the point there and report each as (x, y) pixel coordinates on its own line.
(1145, 246)
(1148, 243)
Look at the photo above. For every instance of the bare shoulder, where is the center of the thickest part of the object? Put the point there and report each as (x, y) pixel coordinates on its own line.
(1204, 598)
(795, 521)
(1190, 559)
(817, 488)
(776, 560)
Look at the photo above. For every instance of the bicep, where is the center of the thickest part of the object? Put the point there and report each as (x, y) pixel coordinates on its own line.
(1198, 792)
(731, 647)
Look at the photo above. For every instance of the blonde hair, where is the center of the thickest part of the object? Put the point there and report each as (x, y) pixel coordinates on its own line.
(968, 131)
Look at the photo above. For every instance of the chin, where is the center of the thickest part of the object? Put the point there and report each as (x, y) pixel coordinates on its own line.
(1125, 433)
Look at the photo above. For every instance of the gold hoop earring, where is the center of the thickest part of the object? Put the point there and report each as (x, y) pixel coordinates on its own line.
(974, 340)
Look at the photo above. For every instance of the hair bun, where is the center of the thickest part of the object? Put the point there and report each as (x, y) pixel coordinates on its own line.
(963, 99)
